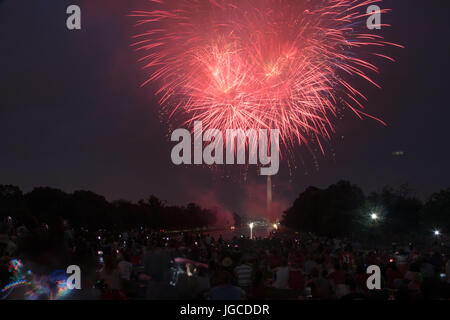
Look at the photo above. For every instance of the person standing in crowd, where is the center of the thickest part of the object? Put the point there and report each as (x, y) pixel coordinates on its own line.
(338, 277)
(244, 274)
(157, 271)
(282, 275)
(224, 290)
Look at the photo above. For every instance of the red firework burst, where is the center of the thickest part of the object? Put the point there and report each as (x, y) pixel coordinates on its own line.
(259, 64)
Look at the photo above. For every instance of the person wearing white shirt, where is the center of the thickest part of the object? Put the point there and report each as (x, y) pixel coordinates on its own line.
(282, 276)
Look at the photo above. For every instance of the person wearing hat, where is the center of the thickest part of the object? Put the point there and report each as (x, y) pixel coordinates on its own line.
(227, 262)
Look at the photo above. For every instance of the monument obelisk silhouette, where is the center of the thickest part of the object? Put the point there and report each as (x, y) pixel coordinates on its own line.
(269, 198)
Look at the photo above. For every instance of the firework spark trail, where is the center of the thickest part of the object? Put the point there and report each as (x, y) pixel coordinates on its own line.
(259, 64)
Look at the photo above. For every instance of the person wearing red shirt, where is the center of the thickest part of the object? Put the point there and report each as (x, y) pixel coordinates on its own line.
(361, 278)
(296, 278)
(392, 273)
(338, 275)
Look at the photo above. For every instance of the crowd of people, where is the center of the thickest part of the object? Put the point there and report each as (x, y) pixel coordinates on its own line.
(146, 264)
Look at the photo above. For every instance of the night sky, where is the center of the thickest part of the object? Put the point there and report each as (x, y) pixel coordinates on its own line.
(73, 115)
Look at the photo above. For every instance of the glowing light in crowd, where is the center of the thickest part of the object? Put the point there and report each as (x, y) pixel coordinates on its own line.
(260, 64)
(437, 232)
(18, 277)
(374, 216)
(13, 285)
(63, 289)
(53, 286)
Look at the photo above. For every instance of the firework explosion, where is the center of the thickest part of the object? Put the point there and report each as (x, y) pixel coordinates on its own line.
(259, 64)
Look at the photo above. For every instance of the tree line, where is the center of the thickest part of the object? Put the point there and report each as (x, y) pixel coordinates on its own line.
(90, 210)
(342, 209)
